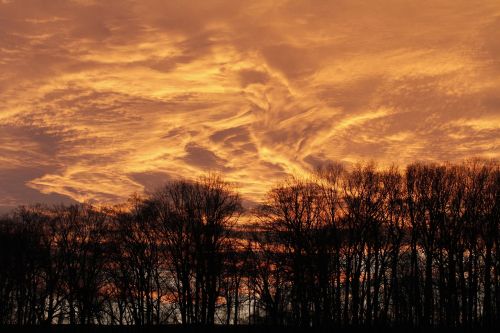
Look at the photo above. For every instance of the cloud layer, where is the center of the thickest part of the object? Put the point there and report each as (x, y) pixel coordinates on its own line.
(100, 99)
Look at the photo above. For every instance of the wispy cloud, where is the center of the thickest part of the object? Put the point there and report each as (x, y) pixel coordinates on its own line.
(100, 99)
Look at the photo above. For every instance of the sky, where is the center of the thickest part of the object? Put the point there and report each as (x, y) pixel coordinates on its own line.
(102, 99)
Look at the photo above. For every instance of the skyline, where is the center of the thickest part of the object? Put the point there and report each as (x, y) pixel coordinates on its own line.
(99, 100)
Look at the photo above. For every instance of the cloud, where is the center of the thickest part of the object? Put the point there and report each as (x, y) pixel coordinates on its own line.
(250, 76)
(203, 158)
(101, 99)
(232, 135)
(151, 180)
(14, 189)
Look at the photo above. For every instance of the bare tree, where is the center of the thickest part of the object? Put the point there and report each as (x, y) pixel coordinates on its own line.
(195, 220)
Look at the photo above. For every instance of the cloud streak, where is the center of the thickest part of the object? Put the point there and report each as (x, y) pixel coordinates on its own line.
(102, 99)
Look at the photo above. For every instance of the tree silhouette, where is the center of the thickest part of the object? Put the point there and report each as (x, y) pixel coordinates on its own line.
(355, 246)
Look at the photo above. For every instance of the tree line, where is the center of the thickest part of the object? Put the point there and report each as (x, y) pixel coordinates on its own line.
(345, 247)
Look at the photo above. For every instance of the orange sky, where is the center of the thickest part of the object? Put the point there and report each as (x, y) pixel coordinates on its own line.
(100, 99)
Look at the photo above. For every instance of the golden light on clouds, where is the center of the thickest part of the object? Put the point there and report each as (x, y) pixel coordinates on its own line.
(100, 99)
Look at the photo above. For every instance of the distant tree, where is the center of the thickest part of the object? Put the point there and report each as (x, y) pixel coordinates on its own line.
(195, 220)
(395, 228)
(139, 269)
(80, 232)
(294, 218)
(12, 246)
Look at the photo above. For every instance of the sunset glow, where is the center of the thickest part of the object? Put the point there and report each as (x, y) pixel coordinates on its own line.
(103, 99)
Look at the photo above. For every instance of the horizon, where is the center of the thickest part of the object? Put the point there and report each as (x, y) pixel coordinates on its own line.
(247, 204)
